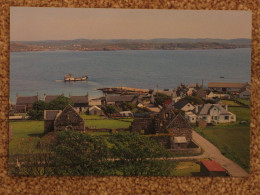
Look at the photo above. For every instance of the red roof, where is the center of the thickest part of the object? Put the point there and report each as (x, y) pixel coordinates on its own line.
(212, 165)
(167, 102)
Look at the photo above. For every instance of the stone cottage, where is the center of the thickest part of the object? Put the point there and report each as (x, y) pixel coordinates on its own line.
(68, 119)
(81, 103)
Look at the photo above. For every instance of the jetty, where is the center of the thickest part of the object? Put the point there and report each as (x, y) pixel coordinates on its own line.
(123, 90)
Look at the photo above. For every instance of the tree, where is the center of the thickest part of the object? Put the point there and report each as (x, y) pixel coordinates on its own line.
(194, 100)
(111, 109)
(137, 154)
(37, 113)
(78, 153)
(59, 103)
(160, 98)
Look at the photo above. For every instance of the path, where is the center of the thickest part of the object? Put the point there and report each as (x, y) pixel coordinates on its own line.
(212, 152)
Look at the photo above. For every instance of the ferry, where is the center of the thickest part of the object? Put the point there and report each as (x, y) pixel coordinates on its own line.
(70, 77)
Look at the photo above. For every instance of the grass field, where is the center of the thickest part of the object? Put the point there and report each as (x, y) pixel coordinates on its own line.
(245, 101)
(233, 139)
(26, 134)
(109, 123)
(92, 117)
(242, 114)
(185, 168)
(230, 103)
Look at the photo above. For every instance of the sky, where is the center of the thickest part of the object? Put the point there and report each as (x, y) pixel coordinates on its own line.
(34, 24)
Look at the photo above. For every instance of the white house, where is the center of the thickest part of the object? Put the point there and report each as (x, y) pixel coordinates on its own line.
(214, 113)
(191, 117)
(94, 110)
(126, 114)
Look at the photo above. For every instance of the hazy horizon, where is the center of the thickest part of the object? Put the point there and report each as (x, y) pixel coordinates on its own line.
(123, 39)
(40, 24)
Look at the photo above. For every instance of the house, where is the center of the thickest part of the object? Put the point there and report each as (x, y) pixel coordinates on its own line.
(226, 87)
(181, 130)
(49, 118)
(95, 102)
(184, 105)
(211, 168)
(81, 103)
(118, 99)
(212, 95)
(245, 93)
(25, 103)
(49, 98)
(191, 117)
(166, 121)
(126, 114)
(68, 119)
(94, 110)
(214, 113)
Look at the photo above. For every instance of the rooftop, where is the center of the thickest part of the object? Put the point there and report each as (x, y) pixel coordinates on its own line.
(212, 165)
(226, 85)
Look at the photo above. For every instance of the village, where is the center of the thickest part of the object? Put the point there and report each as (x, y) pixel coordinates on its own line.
(203, 128)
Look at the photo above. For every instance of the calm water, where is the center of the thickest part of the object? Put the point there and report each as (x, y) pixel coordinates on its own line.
(33, 72)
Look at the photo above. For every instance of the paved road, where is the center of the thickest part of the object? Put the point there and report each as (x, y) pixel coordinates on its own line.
(213, 153)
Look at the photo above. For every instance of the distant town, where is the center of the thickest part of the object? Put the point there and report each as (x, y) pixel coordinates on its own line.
(188, 122)
(128, 44)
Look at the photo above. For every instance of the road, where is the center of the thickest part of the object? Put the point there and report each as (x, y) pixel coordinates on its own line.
(212, 152)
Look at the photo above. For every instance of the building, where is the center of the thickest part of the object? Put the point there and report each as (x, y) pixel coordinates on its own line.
(184, 105)
(49, 98)
(94, 110)
(68, 119)
(49, 118)
(25, 103)
(245, 93)
(81, 103)
(226, 87)
(118, 99)
(166, 121)
(126, 114)
(214, 113)
(212, 168)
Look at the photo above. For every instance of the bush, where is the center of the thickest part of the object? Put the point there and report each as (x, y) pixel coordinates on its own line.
(59, 103)
(160, 98)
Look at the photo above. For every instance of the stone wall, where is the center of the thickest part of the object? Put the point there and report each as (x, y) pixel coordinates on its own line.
(140, 124)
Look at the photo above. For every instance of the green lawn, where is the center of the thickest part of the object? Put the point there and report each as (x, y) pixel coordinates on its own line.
(230, 103)
(232, 141)
(185, 168)
(26, 134)
(245, 101)
(109, 123)
(92, 117)
(242, 114)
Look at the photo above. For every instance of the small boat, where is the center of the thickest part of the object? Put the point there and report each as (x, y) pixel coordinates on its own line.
(221, 77)
(70, 77)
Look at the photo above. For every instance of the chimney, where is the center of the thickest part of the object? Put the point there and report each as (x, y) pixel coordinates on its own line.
(196, 109)
(226, 107)
(37, 96)
(44, 96)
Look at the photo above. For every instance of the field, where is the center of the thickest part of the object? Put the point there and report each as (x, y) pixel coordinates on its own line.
(233, 140)
(230, 103)
(25, 136)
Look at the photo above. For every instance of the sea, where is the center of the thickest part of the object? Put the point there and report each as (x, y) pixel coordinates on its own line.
(42, 72)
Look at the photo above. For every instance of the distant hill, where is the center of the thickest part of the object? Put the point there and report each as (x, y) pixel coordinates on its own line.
(128, 44)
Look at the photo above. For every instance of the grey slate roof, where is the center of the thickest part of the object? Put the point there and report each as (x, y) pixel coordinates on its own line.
(50, 114)
(49, 98)
(204, 110)
(181, 103)
(26, 99)
(79, 99)
(120, 98)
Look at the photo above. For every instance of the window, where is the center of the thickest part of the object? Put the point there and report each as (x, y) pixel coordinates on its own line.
(226, 117)
(205, 118)
(232, 117)
(216, 118)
